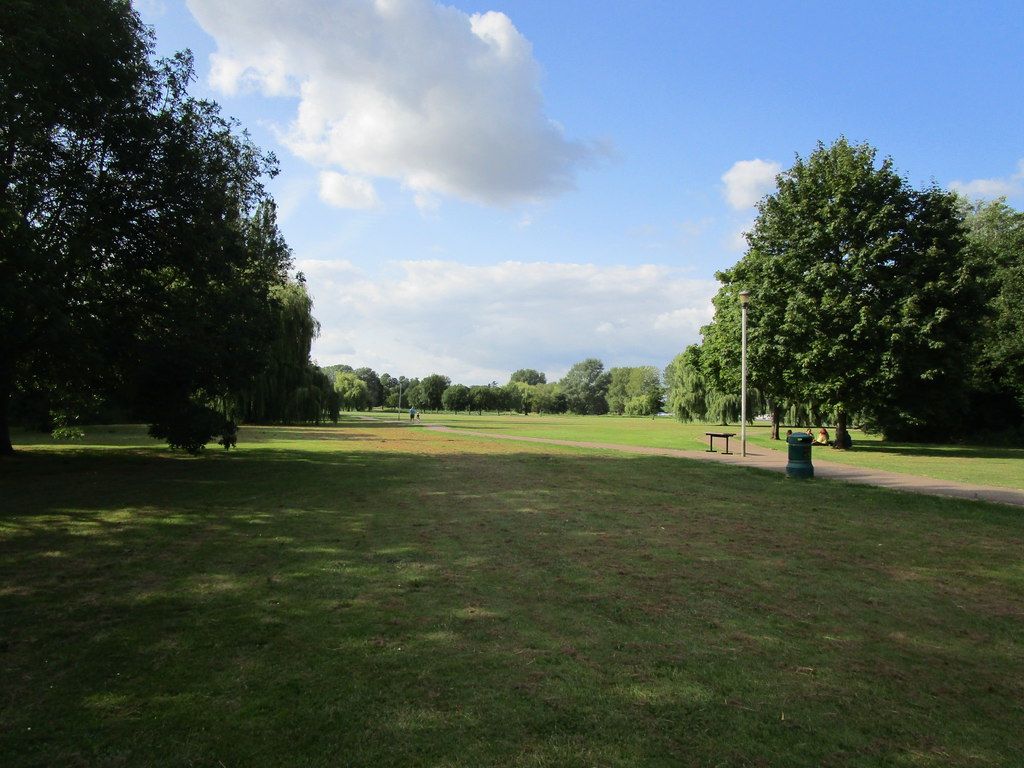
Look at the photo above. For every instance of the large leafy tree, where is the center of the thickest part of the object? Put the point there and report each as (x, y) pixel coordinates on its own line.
(585, 387)
(693, 394)
(128, 262)
(547, 398)
(430, 391)
(770, 387)
(352, 392)
(635, 391)
(485, 398)
(70, 79)
(373, 385)
(289, 388)
(456, 398)
(862, 295)
(394, 387)
(528, 376)
(996, 234)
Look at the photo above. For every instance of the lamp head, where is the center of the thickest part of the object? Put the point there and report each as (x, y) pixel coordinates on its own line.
(744, 297)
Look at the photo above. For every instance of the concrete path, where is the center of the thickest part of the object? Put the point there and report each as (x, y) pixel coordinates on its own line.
(776, 461)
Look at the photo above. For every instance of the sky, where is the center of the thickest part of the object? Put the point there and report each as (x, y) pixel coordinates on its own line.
(479, 187)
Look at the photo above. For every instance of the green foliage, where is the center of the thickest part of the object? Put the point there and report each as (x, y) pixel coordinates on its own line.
(634, 391)
(528, 376)
(64, 426)
(68, 99)
(694, 395)
(191, 426)
(396, 390)
(456, 398)
(290, 388)
(548, 398)
(862, 297)
(352, 391)
(485, 398)
(138, 249)
(375, 390)
(585, 387)
(430, 391)
(996, 236)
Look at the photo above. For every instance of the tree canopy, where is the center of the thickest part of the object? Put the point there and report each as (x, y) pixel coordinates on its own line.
(863, 297)
(528, 376)
(139, 258)
(634, 391)
(996, 235)
(585, 387)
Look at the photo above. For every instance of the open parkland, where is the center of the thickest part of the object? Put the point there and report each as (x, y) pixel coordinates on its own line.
(593, 593)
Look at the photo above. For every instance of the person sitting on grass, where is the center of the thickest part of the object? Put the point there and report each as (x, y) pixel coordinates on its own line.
(822, 438)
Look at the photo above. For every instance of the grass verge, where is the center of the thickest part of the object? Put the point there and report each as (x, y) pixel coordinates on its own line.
(373, 595)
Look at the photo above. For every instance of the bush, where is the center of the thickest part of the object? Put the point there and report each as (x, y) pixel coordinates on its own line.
(191, 426)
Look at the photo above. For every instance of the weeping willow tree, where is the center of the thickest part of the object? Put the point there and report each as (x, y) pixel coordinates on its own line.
(290, 388)
(694, 394)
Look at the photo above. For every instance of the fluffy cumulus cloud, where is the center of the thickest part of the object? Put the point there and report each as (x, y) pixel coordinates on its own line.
(480, 323)
(445, 102)
(990, 189)
(748, 181)
(346, 191)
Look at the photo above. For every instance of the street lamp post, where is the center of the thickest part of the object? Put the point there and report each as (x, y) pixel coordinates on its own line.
(399, 398)
(744, 298)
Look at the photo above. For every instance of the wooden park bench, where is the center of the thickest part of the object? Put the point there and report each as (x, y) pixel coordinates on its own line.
(711, 441)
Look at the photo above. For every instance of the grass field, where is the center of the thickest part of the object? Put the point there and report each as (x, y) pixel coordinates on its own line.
(371, 594)
(983, 465)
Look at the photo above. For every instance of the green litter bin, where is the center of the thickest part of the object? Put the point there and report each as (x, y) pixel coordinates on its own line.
(799, 464)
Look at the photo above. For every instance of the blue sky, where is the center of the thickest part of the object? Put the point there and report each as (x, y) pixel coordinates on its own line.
(475, 188)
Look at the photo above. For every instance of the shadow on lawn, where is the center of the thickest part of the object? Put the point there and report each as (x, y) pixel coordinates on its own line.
(267, 608)
(951, 451)
(273, 607)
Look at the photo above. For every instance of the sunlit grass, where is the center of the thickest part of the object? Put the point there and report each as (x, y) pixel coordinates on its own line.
(368, 595)
(978, 464)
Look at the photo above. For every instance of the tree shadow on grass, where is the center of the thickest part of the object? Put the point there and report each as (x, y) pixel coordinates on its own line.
(952, 451)
(363, 608)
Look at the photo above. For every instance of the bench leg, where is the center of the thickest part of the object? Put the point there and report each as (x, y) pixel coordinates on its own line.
(727, 452)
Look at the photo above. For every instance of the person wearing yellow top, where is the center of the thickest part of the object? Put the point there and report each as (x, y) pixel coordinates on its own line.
(822, 438)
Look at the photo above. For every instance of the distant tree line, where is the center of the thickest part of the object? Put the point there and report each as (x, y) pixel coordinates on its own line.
(870, 302)
(586, 389)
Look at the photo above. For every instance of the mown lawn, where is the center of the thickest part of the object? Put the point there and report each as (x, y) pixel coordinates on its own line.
(378, 595)
(980, 464)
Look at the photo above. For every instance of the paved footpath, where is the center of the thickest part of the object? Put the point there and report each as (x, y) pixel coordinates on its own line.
(775, 461)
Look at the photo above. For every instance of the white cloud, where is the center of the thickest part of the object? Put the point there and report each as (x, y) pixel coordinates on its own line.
(346, 191)
(990, 189)
(748, 181)
(480, 323)
(151, 8)
(413, 90)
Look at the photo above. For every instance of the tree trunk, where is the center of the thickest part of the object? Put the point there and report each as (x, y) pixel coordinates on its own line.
(5, 427)
(776, 420)
(840, 440)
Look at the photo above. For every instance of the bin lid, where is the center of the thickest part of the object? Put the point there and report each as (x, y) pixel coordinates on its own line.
(799, 437)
